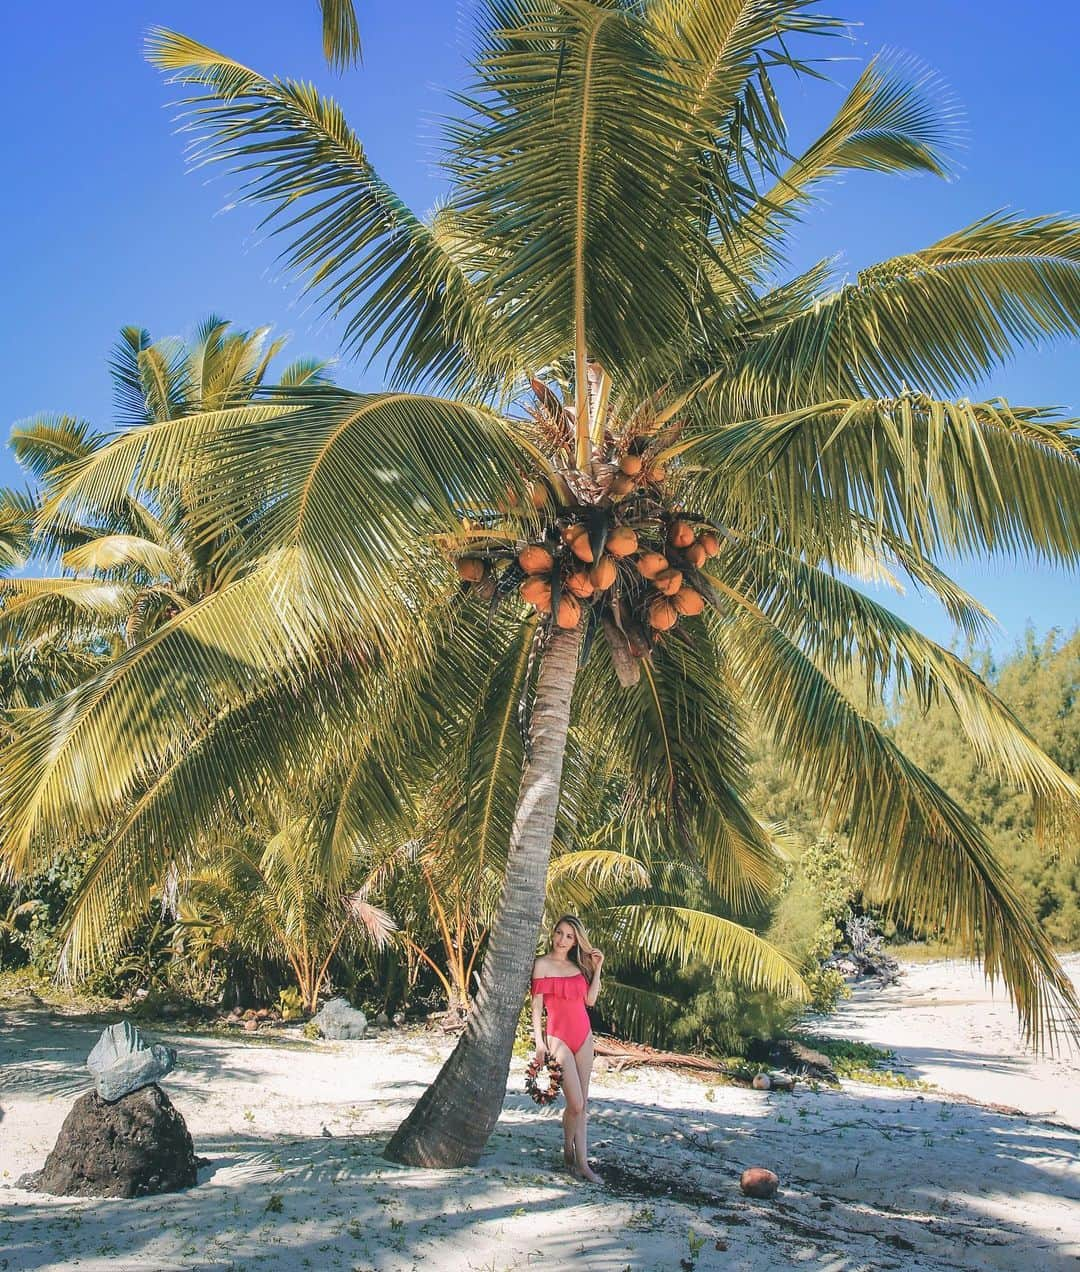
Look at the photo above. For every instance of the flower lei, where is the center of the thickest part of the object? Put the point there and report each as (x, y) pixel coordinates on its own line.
(543, 1095)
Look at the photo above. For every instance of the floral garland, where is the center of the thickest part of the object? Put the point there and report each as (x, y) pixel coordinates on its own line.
(543, 1095)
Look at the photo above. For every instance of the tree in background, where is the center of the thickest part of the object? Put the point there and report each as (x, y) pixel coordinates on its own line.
(1040, 683)
(132, 563)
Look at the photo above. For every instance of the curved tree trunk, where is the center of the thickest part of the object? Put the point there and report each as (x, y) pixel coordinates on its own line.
(455, 1116)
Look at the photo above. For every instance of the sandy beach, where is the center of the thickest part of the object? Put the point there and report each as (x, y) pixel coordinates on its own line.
(871, 1177)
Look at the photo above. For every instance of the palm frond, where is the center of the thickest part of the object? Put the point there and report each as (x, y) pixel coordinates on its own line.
(78, 759)
(124, 552)
(940, 318)
(573, 131)
(46, 443)
(364, 252)
(686, 936)
(845, 631)
(956, 477)
(917, 849)
(341, 33)
(896, 118)
(583, 877)
(17, 511)
(29, 607)
(677, 733)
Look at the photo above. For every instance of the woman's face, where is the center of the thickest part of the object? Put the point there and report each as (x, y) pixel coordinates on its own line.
(563, 939)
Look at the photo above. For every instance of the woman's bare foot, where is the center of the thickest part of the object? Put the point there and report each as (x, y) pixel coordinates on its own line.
(585, 1172)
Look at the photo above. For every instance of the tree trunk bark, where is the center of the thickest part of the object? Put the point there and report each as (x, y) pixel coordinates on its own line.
(455, 1116)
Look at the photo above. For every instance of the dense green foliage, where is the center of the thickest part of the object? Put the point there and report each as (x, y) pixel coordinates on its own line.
(1040, 682)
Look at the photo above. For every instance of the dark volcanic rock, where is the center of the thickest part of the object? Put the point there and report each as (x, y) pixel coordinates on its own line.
(135, 1146)
(797, 1057)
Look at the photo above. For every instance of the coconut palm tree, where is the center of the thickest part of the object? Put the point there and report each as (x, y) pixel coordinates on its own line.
(635, 437)
(132, 564)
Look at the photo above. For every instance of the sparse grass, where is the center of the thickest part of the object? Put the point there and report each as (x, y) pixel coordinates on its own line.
(860, 1062)
(17, 984)
(925, 951)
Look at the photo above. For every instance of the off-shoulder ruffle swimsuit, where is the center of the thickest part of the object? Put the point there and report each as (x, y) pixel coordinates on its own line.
(564, 1002)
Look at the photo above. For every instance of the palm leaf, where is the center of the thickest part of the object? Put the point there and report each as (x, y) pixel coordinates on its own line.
(341, 33)
(844, 632)
(896, 118)
(915, 846)
(367, 256)
(941, 476)
(686, 936)
(124, 552)
(939, 318)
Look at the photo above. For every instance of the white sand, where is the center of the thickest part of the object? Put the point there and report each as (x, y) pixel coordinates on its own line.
(872, 1178)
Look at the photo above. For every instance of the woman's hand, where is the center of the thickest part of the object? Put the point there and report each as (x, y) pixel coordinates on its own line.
(598, 960)
(541, 1053)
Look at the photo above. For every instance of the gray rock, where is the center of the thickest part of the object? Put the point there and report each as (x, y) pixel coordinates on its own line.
(122, 1061)
(135, 1146)
(797, 1057)
(382, 1019)
(338, 1020)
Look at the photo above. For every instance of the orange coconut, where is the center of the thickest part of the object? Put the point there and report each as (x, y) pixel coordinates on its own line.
(657, 473)
(471, 569)
(622, 541)
(630, 465)
(603, 573)
(569, 611)
(681, 534)
(710, 543)
(696, 554)
(537, 591)
(662, 614)
(668, 581)
(650, 564)
(580, 583)
(621, 486)
(539, 495)
(582, 549)
(535, 560)
(687, 601)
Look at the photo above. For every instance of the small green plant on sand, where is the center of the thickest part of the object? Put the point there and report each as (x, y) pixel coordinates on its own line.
(861, 1062)
(695, 1244)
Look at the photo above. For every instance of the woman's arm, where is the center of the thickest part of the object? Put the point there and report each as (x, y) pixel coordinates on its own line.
(538, 1013)
(594, 984)
(538, 1027)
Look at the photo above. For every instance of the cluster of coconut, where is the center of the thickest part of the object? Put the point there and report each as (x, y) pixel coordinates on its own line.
(632, 472)
(674, 598)
(582, 577)
(560, 583)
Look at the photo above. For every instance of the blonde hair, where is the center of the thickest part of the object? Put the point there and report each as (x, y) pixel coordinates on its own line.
(582, 946)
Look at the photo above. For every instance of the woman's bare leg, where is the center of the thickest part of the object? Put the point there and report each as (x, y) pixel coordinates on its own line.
(583, 1063)
(572, 1094)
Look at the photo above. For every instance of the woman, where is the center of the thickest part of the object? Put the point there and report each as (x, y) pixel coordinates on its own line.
(564, 981)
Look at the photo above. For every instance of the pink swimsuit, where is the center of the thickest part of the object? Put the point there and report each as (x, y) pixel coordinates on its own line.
(564, 1002)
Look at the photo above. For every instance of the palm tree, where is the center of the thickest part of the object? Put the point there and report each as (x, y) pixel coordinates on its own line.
(130, 565)
(626, 375)
(268, 889)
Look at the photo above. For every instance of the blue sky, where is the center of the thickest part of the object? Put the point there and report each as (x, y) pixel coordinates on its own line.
(102, 227)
